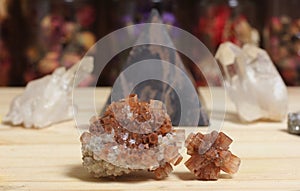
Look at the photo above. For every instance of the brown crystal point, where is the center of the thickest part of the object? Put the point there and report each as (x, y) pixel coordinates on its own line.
(232, 165)
(223, 141)
(153, 138)
(163, 171)
(178, 160)
(210, 154)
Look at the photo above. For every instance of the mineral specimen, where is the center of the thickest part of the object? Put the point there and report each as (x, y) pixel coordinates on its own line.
(131, 136)
(159, 89)
(294, 123)
(253, 83)
(48, 100)
(210, 154)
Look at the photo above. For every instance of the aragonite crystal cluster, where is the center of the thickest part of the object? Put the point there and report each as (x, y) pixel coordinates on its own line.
(210, 154)
(131, 136)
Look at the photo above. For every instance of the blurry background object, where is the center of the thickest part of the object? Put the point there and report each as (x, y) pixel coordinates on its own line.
(282, 38)
(294, 123)
(15, 38)
(227, 20)
(58, 32)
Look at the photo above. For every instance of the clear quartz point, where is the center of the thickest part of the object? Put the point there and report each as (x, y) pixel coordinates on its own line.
(48, 100)
(253, 83)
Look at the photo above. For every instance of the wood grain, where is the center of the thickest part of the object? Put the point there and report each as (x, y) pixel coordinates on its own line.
(50, 159)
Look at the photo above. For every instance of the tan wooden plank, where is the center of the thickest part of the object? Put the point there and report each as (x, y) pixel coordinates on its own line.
(50, 159)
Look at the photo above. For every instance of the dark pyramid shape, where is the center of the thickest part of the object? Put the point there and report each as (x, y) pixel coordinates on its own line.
(156, 89)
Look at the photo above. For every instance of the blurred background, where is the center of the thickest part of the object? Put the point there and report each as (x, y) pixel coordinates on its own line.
(37, 36)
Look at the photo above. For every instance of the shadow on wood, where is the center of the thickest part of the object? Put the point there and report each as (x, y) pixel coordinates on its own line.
(225, 176)
(185, 175)
(80, 173)
(189, 176)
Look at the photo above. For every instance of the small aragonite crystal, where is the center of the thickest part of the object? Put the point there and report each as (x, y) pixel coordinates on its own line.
(209, 155)
(131, 136)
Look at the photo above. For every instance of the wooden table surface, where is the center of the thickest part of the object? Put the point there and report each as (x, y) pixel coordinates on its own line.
(50, 158)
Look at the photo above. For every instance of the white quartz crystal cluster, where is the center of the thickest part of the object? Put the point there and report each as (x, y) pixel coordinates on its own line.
(253, 83)
(48, 100)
